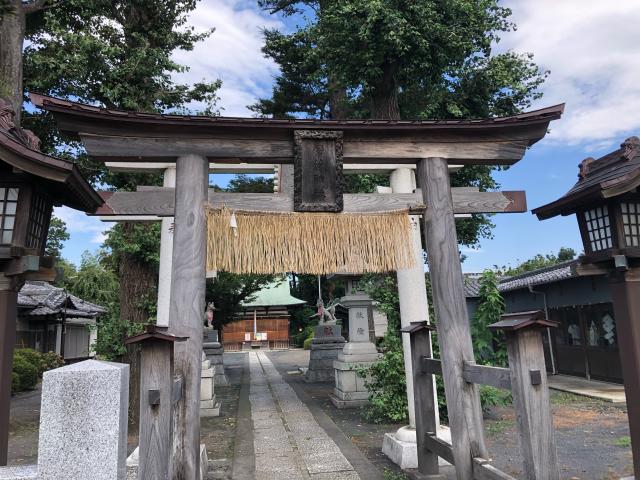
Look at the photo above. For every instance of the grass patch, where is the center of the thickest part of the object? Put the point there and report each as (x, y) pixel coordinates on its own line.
(496, 427)
(391, 475)
(622, 442)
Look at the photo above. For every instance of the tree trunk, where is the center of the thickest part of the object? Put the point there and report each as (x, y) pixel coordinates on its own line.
(384, 96)
(338, 107)
(12, 27)
(138, 283)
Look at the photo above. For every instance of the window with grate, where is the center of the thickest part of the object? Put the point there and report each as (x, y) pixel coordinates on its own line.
(631, 223)
(38, 219)
(598, 228)
(8, 207)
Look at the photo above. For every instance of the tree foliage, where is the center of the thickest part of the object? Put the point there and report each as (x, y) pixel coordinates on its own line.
(539, 261)
(228, 290)
(57, 235)
(489, 346)
(396, 59)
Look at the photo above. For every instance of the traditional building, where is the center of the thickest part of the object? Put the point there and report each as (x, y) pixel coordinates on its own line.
(52, 320)
(264, 320)
(585, 344)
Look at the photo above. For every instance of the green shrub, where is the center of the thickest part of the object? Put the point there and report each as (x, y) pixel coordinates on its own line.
(49, 361)
(491, 397)
(30, 355)
(15, 382)
(307, 343)
(26, 374)
(386, 381)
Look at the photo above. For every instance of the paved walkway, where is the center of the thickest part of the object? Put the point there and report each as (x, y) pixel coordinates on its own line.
(288, 442)
(610, 392)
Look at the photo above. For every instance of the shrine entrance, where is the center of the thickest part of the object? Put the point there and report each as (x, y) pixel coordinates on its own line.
(214, 229)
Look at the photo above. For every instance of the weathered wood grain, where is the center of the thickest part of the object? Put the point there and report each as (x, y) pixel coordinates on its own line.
(454, 336)
(424, 402)
(440, 447)
(531, 402)
(483, 470)
(159, 201)
(155, 442)
(431, 365)
(187, 307)
(277, 150)
(485, 375)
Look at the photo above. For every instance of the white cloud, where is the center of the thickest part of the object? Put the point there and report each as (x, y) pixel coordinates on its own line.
(593, 53)
(79, 223)
(233, 53)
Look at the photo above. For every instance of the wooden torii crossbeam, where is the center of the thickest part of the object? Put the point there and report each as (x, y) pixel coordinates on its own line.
(192, 142)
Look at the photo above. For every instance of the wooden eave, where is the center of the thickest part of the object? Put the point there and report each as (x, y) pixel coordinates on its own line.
(115, 135)
(62, 177)
(613, 174)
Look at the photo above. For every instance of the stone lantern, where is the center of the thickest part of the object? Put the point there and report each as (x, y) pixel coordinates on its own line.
(606, 202)
(31, 184)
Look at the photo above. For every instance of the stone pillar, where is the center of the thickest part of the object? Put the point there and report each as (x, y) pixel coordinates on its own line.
(208, 405)
(350, 390)
(166, 253)
(401, 446)
(83, 422)
(326, 345)
(215, 355)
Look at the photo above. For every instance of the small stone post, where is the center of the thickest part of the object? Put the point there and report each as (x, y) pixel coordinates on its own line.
(83, 422)
(156, 401)
(531, 392)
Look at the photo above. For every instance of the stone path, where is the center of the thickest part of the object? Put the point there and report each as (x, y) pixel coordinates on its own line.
(287, 440)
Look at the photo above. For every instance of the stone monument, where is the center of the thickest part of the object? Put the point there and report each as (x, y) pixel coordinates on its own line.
(83, 424)
(350, 390)
(327, 343)
(209, 407)
(214, 352)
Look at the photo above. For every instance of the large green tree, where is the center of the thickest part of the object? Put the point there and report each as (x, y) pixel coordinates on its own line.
(395, 59)
(118, 54)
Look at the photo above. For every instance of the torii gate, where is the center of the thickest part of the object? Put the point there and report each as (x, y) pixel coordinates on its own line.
(191, 142)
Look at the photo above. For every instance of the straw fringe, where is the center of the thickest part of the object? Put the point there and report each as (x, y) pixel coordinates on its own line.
(314, 243)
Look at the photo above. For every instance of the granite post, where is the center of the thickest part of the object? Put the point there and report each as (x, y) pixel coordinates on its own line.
(214, 351)
(400, 446)
(83, 422)
(350, 390)
(208, 405)
(327, 343)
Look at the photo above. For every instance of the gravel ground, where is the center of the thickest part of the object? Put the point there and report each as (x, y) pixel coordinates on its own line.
(592, 435)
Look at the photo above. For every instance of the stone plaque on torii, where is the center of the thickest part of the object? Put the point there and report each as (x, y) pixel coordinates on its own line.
(193, 142)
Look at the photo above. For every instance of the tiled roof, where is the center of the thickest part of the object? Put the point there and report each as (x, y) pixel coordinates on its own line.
(42, 298)
(551, 274)
(541, 276)
(471, 286)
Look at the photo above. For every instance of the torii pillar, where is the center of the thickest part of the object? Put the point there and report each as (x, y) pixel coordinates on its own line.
(401, 446)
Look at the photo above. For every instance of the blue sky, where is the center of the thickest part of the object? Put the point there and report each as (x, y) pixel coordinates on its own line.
(592, 51)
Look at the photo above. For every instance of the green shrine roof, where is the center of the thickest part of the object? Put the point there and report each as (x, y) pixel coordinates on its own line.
(274, 294)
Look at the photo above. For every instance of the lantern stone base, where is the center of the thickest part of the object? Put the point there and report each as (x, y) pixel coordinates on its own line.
(402, 449)
(209, 407)
(350, 390)
(214, 352)
(327, 344)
